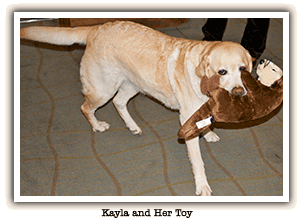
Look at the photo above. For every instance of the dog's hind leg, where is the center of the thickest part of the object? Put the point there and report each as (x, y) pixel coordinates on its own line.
(89, 107)
(126, 91)
(98, 89)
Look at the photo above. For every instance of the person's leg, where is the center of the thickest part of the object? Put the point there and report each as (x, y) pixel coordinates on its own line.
(214, 28)
(255, 36)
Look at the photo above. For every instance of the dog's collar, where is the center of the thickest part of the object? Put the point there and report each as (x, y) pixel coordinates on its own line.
(277, 82)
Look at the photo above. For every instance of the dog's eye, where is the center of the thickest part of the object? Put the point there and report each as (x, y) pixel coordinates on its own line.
(274, 70)
(222, 72)
(242, 68)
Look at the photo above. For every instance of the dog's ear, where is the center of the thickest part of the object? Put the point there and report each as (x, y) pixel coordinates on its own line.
(203, 69)
(250, 60)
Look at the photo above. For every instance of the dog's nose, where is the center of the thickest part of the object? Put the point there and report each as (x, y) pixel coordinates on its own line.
(238, 91)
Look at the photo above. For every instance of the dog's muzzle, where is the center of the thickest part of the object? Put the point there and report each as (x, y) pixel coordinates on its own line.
(238, 91)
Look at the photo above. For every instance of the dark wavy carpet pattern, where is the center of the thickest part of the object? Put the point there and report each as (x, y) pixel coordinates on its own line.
(62, 156)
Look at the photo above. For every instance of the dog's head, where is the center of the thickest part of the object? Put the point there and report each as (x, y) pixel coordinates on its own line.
(226, 59)
(268, 72)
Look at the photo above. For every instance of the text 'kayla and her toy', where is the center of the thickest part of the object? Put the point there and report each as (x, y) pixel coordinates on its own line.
(146, 213)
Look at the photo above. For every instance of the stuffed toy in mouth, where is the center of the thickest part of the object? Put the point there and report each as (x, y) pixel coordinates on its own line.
(263, 96)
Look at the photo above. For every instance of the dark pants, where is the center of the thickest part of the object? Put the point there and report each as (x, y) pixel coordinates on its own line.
(254, 37)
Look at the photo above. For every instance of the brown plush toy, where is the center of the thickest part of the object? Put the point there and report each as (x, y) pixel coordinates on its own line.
(263, 96)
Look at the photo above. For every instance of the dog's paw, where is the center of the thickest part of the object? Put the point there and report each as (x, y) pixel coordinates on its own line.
(135, 130)
(133, 127)
(211, 137)
(203, 190)
(102, 126)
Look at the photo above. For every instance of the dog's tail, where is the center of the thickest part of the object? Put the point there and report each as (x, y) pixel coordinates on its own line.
(56, 35)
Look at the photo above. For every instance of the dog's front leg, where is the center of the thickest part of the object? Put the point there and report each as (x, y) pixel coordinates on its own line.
(193, 148)
(201, 183)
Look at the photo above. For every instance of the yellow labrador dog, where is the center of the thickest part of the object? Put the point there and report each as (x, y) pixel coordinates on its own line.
(124, 58)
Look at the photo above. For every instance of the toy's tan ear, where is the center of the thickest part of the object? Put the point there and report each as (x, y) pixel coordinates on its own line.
(203, 69)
